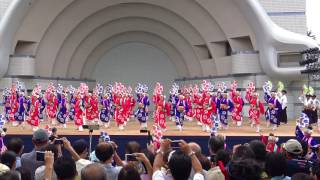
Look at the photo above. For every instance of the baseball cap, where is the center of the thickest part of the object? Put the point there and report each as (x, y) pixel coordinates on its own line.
(293, 146)
(40, 135)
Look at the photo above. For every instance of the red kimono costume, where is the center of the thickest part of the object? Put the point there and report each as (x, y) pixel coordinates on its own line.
(126, 108)
(198, 102)
(256, 108)
(78, 110)
(14, 105)
(162, 110)
(118, 114)
(238, 106)
(208, 108)
(190, 112)
(33, 119)
(132, 105)
(89, 103)
(95, 107)
(52, 106)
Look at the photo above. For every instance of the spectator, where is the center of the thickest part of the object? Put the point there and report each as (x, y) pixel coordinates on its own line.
(10, 175)
(129, 172)
(132, 147)
(24, 174)
(94, 171)
(216, 173)
(81, 148)
(40, 171)
(292, 150)
(259, 150)
(65, 168)
(8, 158)
(301, 176)
(16, 145)
(54, 134)
(28, 160)
(3, 168)
(105, 152)
(246, 168)
(276, 166)
(180, 162)
(242, 152)
(195, 148)
(315, 170)
(215, 144)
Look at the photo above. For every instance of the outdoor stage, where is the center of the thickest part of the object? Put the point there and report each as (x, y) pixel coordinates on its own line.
(192, 132)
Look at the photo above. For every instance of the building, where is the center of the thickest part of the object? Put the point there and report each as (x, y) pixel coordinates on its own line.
(151, 40)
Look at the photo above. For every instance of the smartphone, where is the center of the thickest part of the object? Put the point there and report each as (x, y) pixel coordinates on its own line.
(40, 155)
(58, 141)
(175, 144)
(130, 157)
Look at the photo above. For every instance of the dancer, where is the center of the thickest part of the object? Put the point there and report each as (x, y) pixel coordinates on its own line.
(173, 100)
(271, 143)
(238, 104)
(162, 108)
(62, 110)
(52, 103)
(20, 114)
(71, 103)
(274, 108)
(306, 136)
(224, 105)
(42, 106)
(7, 105)
(282, 97)
(181, 109)
(118, 101)
(256, 106)
(198, 105)
(105, 111)
(208, 106)
(143, 104)
(33, 119)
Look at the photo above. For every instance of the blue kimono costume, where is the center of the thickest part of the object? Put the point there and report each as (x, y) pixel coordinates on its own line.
(309, 140)
(223, 112)
(28, 106)
(214, 117)
(273, 114)
(42, 107)
(142, 114)
(72, 111)
(7, 108)
(180, 113)
(105, 113)
(19, 115)
(173, 99)
(62, 113)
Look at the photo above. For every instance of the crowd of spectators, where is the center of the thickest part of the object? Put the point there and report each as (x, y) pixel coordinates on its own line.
(171, 161)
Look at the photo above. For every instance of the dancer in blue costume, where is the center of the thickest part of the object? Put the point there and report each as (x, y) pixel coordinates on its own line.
(224, 105)
(62, 110)
(180, 111)
(105, 113)
(273, 110)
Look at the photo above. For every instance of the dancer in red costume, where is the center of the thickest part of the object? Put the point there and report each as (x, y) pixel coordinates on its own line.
(190, 114)
(209, 107)
(162, 108)
(52, 103)
(14, 104)
(198, 102)
(95, 107)
(33, 119)
(88, 104)
(238, 104)
(256, 106)
(118, 101)
(79, 110)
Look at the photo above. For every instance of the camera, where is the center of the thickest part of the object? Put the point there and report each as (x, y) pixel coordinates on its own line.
(40, 155)
(130, 157)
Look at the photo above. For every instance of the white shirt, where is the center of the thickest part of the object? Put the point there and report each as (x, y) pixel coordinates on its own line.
(159, 175)
(283, 101)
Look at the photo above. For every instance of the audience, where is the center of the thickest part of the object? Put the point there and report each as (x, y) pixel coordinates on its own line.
(292, 151)
(249, 161)
(29, 162)
(8, 158)
(16, 145)
(94, 171)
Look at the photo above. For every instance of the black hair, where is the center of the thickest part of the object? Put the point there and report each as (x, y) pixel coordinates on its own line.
(80, 146)
(204, 161)
(224, 156)
(284, 91)
(243, 152)
(247, 169)
(276, 164)
(65, 168)
(129, 172)
(53, 149)
(315, 169)
(8, 158)
(104, 151)
(259, 150)
(132, 147)
(216, 143)
(301, 176)
(180, 165)
(15, 144)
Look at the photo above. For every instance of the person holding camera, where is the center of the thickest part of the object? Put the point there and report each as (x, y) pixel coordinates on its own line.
(179, 164)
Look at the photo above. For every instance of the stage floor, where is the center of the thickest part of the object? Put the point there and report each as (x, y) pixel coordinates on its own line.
(190, 129)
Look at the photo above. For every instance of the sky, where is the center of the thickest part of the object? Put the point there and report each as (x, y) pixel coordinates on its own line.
(313, 17)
